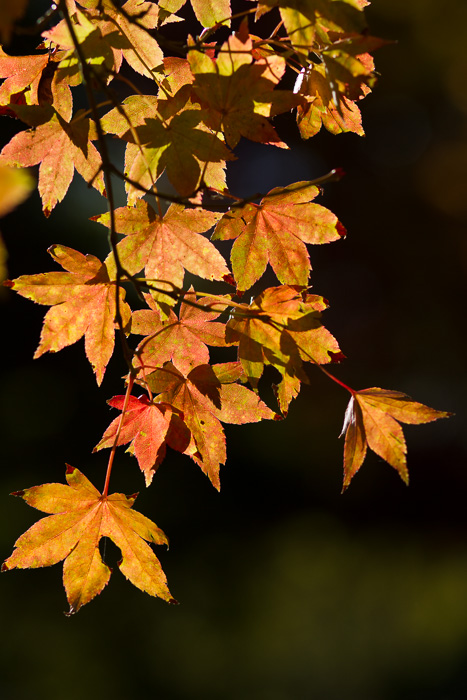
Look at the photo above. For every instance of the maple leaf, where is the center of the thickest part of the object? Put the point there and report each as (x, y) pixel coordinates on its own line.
(166, 134)
(182, 340)
(33, 80)
(276, 231)
(139, 48)
(167, 245)
(107, 34)
(304, 19)
(21, 73)
(333, 87)
(93, 47)
(149, 426)
(282, 327)
(207, 396)
(79, 518)
(238, 94)
(211, 12)
(372, 420)
(83, 303)
(60, 147)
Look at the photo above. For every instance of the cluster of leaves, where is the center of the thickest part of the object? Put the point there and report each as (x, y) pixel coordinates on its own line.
(206, 95)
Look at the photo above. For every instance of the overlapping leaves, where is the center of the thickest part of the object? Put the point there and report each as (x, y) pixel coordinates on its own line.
(202, 97)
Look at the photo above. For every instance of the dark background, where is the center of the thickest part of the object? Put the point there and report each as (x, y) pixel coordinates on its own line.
(287, 589)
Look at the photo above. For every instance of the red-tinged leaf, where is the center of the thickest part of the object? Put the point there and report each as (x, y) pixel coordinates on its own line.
(177, 73)
(276, 231)
(238, 94)
(204, 402)
(21, 73)
(145, 426)
(83, 303)
(181, 340)
(322, 111)
(59, 147)
(80, 518)
(372, 419)
(166, 246)
(332, 88)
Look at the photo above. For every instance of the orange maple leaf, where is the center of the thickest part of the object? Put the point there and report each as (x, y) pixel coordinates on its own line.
(166, 246)
(371, 420)
(21, 72)
(83, 301)
(333, 87)
(238, 94)
(60, 147)
(282, 327)
(276, 231)
(182, 340)
(207, 396)
(79, 518)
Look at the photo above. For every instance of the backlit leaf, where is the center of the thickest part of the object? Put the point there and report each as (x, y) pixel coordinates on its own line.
(183, 340)
(83, 303)
(79, 518)
(372, 421)
(205, 401)
(166, 246)
(60, 148)
(276, 231)
(238, 94)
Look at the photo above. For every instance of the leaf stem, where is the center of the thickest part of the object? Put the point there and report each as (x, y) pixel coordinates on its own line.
(117, 435)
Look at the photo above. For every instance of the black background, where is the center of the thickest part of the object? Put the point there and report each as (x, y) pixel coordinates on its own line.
(287, 588)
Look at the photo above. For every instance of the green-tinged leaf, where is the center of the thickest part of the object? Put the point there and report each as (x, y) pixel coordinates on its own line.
(282, 327)
(211, 12)
(166, 134)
